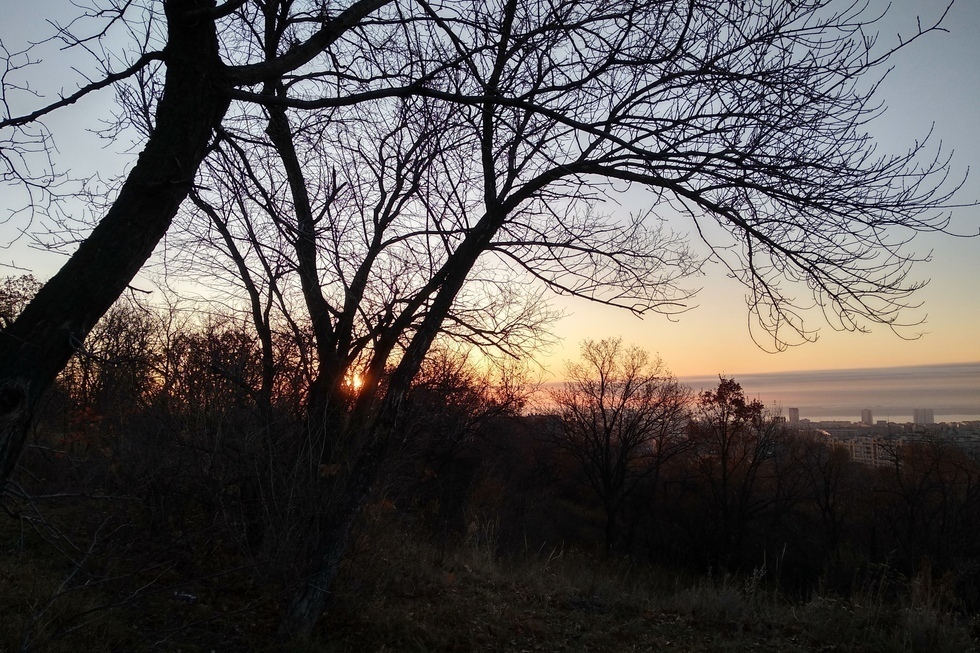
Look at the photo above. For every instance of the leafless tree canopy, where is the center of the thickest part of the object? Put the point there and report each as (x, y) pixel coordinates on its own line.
(385, 171)
(621, 417)
(744, 114)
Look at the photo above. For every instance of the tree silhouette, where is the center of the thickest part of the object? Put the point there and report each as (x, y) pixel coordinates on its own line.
(747, 119)
(734, 443)
(621, 417)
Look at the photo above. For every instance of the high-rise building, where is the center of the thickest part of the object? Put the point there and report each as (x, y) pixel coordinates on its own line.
(866, 417)
(923, 416)
(794, 415)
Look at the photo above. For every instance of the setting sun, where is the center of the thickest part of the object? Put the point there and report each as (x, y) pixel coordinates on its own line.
(312, 302)
(355, 382)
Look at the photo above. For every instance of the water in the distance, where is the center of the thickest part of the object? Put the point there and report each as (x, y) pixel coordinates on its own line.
(951, 391)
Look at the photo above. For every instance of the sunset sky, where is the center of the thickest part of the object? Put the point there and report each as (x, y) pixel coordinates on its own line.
(935, 82)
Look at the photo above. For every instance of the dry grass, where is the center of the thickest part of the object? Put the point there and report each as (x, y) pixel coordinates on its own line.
(399, 593)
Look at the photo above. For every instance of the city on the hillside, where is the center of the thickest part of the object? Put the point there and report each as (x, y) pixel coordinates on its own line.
(874, 442)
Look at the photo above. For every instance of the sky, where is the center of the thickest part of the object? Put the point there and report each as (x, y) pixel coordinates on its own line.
(934, 85)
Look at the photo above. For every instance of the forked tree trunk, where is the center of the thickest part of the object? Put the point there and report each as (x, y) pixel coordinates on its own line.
(311, 599)
(38, 345)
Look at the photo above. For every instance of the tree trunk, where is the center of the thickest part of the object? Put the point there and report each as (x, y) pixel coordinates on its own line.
(308, 604)
(38, 345)
(612, 513)
(310, 601)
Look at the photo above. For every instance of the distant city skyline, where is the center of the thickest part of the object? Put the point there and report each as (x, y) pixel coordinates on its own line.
(950, 392)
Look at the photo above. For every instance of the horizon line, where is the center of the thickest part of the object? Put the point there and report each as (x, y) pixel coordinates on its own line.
(736, 375)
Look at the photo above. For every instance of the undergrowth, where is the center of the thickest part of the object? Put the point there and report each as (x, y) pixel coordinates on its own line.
(400, 592)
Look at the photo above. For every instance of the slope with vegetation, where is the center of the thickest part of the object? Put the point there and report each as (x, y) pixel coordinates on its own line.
(147, 514)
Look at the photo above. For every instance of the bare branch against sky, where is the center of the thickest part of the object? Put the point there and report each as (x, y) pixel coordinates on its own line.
(377, 171)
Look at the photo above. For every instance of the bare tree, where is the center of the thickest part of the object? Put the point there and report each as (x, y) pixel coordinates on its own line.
(734, 446)
(621, 417)
(746, 118)
(926, 499)
(455, 405)
(830, 482)
(189, 89)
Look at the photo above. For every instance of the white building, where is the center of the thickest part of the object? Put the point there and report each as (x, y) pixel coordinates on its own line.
(923, 416)
(866, 417)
